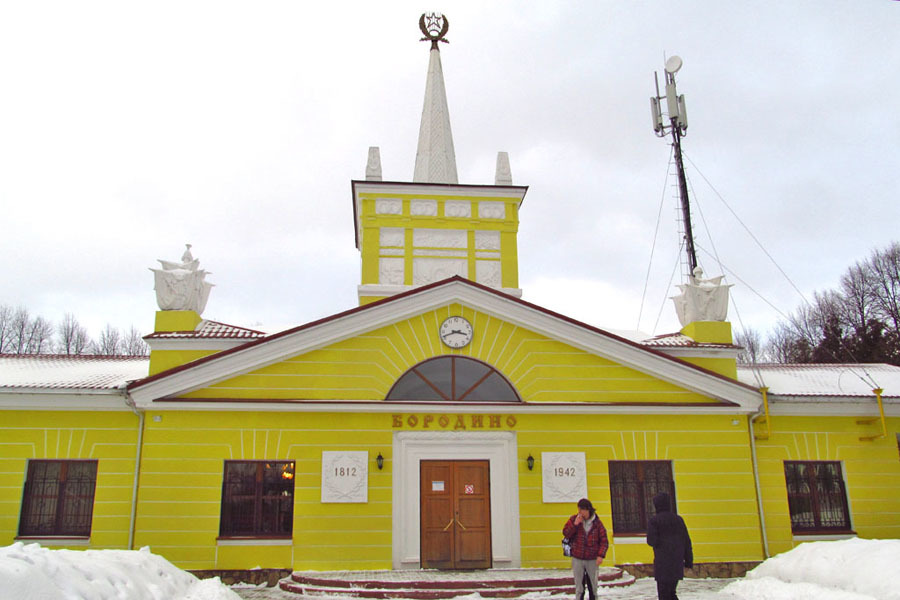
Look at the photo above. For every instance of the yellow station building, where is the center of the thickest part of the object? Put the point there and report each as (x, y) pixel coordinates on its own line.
(445, 422)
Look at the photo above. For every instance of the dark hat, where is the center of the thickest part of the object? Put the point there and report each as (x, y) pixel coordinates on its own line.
(584, 503)
(661, 502)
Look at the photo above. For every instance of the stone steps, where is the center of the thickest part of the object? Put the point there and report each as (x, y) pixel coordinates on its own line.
(434, 585)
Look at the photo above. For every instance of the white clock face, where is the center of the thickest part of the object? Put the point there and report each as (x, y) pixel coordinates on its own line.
(456, 332)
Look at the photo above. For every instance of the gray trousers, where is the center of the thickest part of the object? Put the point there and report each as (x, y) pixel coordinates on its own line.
(578, 569)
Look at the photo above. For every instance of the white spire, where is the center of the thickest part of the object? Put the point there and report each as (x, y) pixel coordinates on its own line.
(435, 157)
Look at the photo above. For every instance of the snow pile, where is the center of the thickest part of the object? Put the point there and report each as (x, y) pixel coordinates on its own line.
(30, 572)
(851, 569)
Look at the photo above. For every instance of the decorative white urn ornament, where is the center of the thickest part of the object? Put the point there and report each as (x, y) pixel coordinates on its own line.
(702, 299)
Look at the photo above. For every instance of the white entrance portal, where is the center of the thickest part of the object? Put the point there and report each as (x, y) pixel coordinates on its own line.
(411, 447)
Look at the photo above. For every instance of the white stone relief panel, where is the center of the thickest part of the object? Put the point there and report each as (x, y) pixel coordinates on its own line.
(388, 206)
(345, 476)
(391, 236)
(487, 240)
(453, 253)
(391, 252)
(488, 254)
(440, 238)
(390, 271)
(457, 208)
(564, 476)
(491, 210)
(488, 272)
(429, 270)
(423, 208)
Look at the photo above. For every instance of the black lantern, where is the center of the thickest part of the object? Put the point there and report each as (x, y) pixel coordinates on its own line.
(530, 462)
(379, 461)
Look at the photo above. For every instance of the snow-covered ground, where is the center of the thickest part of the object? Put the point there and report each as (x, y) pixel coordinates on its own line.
(851, 569)
(30, 572)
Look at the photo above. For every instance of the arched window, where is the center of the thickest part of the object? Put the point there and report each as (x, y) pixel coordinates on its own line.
(453, 379)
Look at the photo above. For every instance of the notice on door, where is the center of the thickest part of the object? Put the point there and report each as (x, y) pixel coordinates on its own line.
(437, 486)
(564, 476)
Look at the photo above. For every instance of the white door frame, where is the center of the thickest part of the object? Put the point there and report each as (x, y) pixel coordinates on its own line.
(499, 448)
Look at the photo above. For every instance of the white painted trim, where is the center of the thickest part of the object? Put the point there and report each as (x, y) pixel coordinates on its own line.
(411, 447)
(216, 344)
(255, 542)
(829, 406)
(466, 192)
(823, 538)
(362, 321)
(343, 406)
(19, 399)
(373, 289)
(629, 540)
(53, 541)
(697, 352)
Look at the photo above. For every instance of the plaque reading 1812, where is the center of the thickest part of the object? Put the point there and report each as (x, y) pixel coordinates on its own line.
(564, 476)
(345, 476)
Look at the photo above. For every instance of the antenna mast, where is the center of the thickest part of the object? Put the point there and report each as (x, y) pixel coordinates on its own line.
(677, 127)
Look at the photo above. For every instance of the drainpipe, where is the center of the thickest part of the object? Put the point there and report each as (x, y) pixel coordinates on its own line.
(759, 502)
(137, 466)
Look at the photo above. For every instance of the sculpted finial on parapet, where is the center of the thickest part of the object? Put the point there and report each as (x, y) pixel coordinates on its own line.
(181, 286)
(702, 299)
(434, 26)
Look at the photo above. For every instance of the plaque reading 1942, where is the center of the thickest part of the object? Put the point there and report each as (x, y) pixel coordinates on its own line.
(564, 476)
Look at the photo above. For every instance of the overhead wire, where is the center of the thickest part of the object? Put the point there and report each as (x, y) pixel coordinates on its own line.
(662, 200)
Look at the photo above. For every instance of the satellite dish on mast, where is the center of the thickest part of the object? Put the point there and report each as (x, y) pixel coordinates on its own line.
(673, 64)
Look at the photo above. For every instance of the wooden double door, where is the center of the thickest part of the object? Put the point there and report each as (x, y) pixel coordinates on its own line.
(455, 502)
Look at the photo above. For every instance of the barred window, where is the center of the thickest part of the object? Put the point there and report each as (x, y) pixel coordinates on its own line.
(58, 498)
(632, 485)
(817, 498)
(257, 499)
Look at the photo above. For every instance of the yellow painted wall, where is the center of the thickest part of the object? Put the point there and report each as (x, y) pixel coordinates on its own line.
(109, 437)
(181, 488)
(365, 367)
(871, 472)
(371, 223)
(182, 472)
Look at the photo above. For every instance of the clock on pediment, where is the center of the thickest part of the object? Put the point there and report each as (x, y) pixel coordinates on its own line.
(456, 332)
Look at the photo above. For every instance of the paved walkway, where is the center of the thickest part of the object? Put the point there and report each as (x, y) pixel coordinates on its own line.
(643, 589)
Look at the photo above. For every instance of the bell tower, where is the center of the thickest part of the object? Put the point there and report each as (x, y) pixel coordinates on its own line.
(415, 233)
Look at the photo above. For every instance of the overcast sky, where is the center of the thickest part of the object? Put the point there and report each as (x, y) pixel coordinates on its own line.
(128, 129)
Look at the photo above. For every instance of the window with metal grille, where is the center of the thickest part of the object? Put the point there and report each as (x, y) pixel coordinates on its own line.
(453, 379)
(817, 498)
(257, 499)
(58, 498)
(632, 485)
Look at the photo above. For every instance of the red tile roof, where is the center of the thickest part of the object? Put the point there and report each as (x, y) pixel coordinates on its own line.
(209, 330)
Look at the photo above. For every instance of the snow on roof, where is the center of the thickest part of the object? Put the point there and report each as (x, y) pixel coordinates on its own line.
(210, 329)
(823, 379)
(60, 371)
(679, 340)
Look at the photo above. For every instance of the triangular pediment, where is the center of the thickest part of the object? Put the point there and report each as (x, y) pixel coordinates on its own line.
(357, 356)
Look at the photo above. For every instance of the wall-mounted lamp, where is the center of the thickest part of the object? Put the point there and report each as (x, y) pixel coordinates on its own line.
(530, 462)
(379, 461)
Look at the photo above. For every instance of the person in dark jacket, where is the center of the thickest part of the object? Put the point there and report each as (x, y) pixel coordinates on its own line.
(672, 551)
(587, 536)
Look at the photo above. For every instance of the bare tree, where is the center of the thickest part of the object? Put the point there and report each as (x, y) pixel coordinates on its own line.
(133, 343)
(72, 337)
(6, 328)
(39, 336)
(19, 331)
(109, 343)
(751, 347)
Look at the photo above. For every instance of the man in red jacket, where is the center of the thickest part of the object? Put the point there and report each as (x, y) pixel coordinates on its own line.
(587, 536)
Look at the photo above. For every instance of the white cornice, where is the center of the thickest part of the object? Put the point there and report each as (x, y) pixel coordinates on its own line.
(396, 188)
(362, 321)
(214, 344)
(374, 289)
(43, 399)
(449, 408)
(824, 406)
(689, 352)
